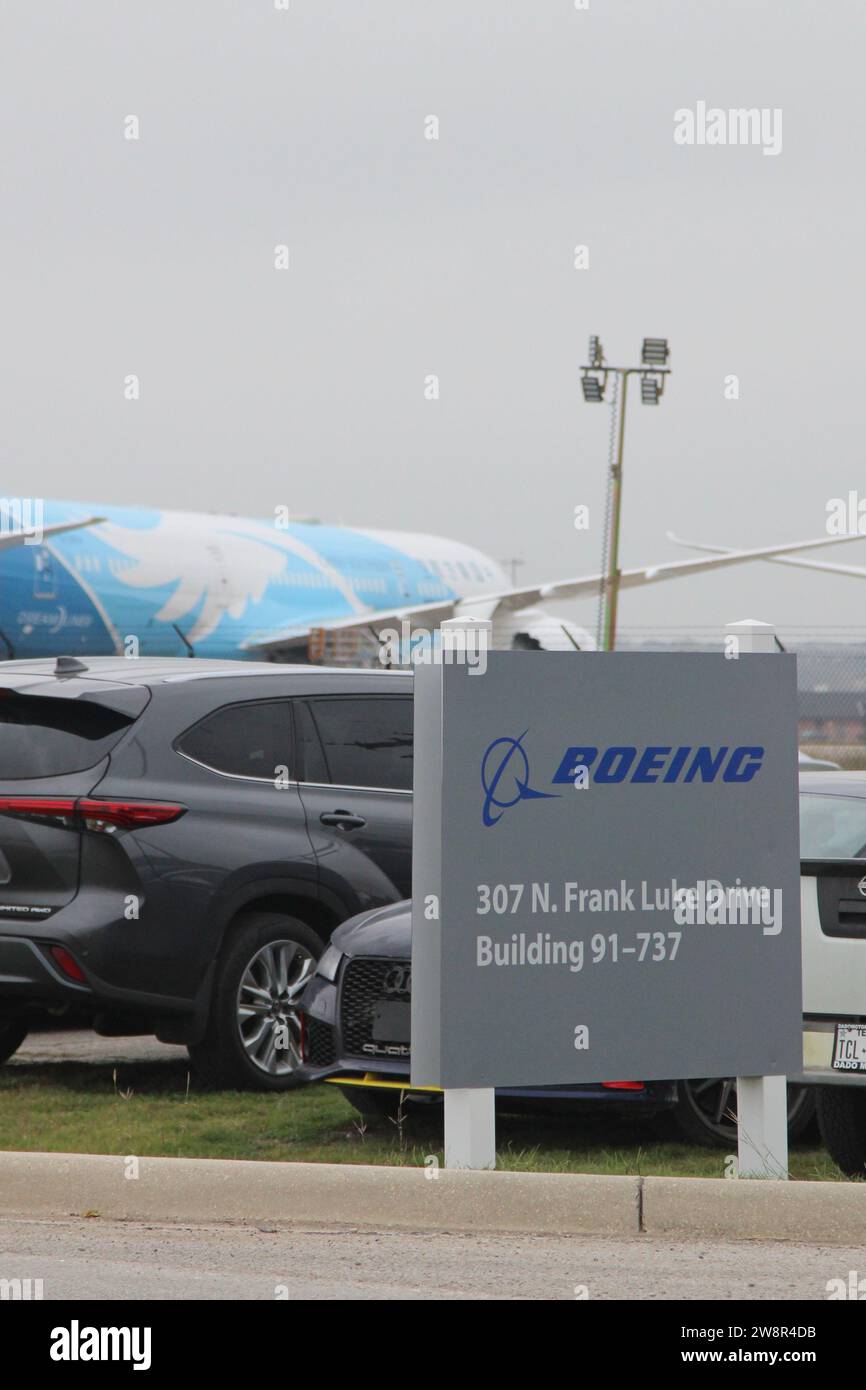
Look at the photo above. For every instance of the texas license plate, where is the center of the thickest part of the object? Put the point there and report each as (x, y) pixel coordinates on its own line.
(849, 1047)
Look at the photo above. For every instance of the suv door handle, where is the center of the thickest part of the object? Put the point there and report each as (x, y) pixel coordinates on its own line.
(344, 820)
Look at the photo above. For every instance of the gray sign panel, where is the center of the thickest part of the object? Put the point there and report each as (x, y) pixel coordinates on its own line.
(606, 874)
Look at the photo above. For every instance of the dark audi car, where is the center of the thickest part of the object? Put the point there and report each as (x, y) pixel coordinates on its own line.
(179, 838)
(355, 1033)
(355, 1029)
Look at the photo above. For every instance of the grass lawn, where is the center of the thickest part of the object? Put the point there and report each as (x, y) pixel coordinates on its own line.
(159, 1109)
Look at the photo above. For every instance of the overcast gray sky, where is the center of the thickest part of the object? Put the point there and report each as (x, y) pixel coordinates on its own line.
(411, 256)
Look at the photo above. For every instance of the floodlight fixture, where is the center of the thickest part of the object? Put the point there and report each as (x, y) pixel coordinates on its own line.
(593, 387)
(651, 388)
(654, 352)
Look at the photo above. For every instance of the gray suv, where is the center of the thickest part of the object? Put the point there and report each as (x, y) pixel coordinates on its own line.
(179, 838)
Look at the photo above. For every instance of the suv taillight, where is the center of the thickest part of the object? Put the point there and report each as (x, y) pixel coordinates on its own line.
(68, 964)
(126, 815)
(91, 813)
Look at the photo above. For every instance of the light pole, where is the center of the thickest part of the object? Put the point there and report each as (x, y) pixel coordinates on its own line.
(594, 379)
(513, 562)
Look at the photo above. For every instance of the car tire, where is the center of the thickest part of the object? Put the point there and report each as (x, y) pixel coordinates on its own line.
(842, 1126)
(262, 970)
(12, 1035)
(696, 1119)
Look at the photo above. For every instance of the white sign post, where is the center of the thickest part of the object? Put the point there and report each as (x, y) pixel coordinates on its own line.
(762, 1101)
(470, 1128)
(470, 1115)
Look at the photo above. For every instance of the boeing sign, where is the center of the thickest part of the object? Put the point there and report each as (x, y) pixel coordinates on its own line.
(567, 809)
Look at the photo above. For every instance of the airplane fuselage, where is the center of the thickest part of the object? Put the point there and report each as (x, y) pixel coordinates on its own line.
(223, 582)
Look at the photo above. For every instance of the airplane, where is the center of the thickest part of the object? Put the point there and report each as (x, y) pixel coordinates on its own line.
(96, 581)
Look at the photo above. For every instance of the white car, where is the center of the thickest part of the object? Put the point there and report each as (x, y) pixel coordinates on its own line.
(833, 900)
(809, 764)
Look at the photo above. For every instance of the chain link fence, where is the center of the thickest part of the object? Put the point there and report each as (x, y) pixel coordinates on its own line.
(831, 681)
(831, 676)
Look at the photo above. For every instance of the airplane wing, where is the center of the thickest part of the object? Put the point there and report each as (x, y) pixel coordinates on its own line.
(7, 542)
(487, 605)
(827, 566)
(421, 615)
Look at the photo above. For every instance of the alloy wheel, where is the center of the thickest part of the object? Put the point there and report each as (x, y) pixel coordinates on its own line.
(268, 1022)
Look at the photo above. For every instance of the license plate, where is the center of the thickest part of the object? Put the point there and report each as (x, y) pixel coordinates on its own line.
(849, 1047)
(391, 1021)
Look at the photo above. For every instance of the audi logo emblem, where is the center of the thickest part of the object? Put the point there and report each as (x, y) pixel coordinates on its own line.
(398, 980)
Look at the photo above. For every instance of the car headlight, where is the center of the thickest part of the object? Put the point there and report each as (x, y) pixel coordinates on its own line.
(329, 963)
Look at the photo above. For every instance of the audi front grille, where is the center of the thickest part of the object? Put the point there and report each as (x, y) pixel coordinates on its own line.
(366, 985)
(319, 1045)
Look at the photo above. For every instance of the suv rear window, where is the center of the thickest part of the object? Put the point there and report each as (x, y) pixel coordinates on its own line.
(251, 740)
(48, 736)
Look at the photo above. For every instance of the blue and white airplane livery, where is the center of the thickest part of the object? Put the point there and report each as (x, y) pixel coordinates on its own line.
(85, 580)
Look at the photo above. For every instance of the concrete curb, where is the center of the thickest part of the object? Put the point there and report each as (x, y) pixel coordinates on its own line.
(831, 1213)
(200, 1190)
(224, 1190)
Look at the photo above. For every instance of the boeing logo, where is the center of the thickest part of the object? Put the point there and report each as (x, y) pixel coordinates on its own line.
(505, 778)
(505, 768)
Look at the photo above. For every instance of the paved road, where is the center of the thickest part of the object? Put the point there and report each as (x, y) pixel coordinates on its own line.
(101, 1260)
